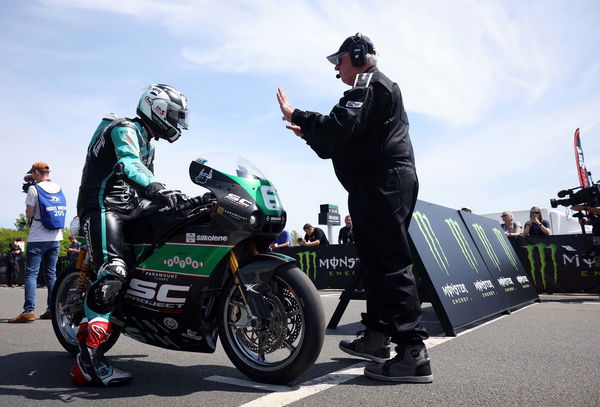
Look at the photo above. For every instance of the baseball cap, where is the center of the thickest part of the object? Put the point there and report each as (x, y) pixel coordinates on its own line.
(40, 166)
(349, 44)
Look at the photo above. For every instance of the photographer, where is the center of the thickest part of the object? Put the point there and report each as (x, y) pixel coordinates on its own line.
(12, 263)
(46, 207)
(536, 225)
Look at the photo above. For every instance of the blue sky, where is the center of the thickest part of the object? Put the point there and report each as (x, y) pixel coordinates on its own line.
(494, 89)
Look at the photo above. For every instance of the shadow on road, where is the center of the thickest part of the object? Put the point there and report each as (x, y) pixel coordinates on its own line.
(45, 376)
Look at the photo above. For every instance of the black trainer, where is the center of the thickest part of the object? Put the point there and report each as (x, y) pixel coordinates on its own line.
(410, 365)
(372, 345)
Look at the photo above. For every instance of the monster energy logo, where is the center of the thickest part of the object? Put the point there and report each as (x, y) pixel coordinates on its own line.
(486, 244)
(431, 239)
(542, 251)
(462, 243)
(304, 258)
(500, 236)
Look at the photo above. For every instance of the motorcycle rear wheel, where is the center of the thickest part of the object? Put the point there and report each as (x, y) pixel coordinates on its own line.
(285, 347)
(67, 313)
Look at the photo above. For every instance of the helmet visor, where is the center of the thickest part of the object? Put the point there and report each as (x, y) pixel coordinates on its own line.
(177, 116)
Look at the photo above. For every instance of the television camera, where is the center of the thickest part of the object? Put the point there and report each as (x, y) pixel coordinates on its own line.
(588, 196)
(29, 181)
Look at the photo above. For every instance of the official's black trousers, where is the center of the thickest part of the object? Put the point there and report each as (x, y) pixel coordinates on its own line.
(381, 208)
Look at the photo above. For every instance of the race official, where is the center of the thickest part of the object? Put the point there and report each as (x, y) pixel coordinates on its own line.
(366, 137)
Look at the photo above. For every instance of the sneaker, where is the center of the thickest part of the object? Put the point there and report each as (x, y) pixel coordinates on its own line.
(410, 365)
(23, 317)
(46, 315)
(372, 345)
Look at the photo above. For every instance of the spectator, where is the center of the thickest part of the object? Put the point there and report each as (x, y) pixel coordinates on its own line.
(510, 226)
(73, 250)
(366, 136)
(46, 205)
(346, 236)
(12, 263)
(313, 237)
(282, 241)
(536, 225)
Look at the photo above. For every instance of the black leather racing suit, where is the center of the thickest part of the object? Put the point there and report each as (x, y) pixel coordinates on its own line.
(119, 160)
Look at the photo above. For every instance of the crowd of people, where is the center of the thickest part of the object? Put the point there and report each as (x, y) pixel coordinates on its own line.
(536, 225)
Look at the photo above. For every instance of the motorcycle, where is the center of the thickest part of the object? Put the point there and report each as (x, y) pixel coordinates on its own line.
(204, 272)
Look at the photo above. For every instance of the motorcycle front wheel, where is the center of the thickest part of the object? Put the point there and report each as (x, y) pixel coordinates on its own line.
(68, 311)
(281, 349)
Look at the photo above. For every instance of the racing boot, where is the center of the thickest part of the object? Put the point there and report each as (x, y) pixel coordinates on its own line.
(91, 368)
(372, 345)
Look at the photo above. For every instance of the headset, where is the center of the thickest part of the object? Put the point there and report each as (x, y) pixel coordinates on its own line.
(358, 54)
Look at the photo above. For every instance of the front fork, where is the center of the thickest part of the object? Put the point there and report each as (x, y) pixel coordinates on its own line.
(254, 302)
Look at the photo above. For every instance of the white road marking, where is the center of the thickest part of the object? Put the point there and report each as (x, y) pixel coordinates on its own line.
(282, 398)
(309, 388)
(336, 295)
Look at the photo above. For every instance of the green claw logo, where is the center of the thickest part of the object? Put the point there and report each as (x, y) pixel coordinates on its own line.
(542, 250)
(500, 236)
(432, 241)
(462, 243)
(304, 258)
(486, 244)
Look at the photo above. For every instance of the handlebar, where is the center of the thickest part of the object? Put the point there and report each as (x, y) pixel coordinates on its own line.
(147, 207)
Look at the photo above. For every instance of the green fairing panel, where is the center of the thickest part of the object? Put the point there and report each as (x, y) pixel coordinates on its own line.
(190, 259)
(280, 256)
(129, 153)
(263, 193)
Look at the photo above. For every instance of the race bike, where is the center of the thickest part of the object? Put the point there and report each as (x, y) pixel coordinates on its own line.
(205, 272)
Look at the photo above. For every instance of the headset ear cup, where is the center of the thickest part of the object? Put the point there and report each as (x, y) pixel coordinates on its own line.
(358, 55)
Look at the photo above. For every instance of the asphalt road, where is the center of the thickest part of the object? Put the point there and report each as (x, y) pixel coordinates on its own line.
(544, 354)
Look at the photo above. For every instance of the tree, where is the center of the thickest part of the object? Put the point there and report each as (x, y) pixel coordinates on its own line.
(22, 224)
(7, 236)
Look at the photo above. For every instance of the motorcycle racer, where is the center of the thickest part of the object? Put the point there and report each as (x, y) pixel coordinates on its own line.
(118, 171)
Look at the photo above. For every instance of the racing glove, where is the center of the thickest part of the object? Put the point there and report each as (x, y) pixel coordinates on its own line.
(158, 193)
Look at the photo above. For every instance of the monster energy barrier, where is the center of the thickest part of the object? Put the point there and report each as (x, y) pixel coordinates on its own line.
(486, 244)
(462, 243)
(304, 258)
(432, 241)
(500, 236)
(542, 250)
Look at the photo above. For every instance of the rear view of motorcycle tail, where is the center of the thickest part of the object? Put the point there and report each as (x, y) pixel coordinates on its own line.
(202, 271)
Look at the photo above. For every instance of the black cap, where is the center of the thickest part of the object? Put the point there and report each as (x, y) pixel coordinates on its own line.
(349, 44)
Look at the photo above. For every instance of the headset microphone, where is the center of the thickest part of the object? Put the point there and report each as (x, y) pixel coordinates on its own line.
(338, 76)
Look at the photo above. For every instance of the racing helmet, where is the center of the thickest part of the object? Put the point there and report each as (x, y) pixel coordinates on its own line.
(164, 109)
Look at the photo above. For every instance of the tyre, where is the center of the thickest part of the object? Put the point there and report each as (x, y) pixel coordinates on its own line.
(287, 345)
(67, 311)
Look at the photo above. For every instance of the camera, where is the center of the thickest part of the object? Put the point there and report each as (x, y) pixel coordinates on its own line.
(29, 181)
(589, 196)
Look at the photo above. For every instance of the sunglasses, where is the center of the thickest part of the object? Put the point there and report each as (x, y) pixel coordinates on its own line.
(535, 212)
(338, 60)
(503, 216)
